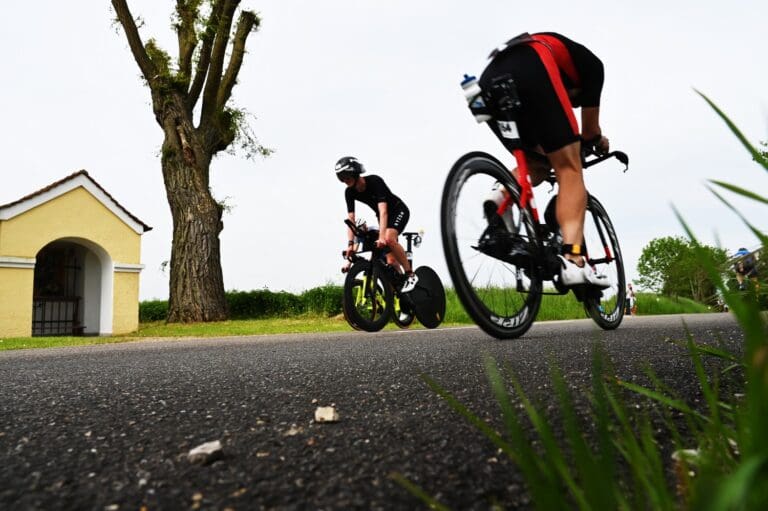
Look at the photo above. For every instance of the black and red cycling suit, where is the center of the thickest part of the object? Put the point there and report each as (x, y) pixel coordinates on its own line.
(553, 74)
(376, 191)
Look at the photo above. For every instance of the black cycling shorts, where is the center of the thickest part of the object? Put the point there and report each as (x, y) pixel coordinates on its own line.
(545, 118)
(398, 217)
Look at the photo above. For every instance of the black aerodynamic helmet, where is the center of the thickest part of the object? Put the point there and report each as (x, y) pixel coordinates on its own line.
(348, 166)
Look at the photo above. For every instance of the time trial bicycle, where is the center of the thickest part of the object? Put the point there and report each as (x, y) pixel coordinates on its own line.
(372, 296)
(499, 271)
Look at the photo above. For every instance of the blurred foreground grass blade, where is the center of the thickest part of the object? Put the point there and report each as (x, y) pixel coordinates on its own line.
(693, 422)
(642, 486)
(738, 489)
(740, 191)
(473, 419)
(758, 157)
(661, 398)
(540, 477)
(603, 383)
(718, 353)
(553, 452)
(659, 492)
(719, 434)
(746, 312)
(709, 391)
(596, 476)
(746, 487)
(763, 239)
(417, 492)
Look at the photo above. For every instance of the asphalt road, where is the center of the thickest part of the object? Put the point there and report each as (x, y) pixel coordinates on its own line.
(109, 427)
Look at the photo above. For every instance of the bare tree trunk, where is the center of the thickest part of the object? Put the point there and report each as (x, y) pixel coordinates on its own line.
(197, 283)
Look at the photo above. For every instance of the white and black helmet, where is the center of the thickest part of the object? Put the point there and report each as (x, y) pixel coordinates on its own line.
(348, 166)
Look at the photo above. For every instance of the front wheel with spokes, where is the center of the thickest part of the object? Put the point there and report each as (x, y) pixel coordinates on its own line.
(605, 307)
(492, 267)
(367, 298)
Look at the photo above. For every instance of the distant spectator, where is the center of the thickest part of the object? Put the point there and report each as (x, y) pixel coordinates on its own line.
(745, 266)
(631, 300)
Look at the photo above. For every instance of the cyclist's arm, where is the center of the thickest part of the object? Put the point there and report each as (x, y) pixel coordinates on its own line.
(383, 219)
(590, 122)
(350, 234)
(590, 126)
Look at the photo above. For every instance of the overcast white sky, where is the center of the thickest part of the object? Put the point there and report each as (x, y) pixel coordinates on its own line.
(380, 80)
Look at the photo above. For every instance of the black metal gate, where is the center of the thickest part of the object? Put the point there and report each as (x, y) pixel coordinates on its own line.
(58, 284)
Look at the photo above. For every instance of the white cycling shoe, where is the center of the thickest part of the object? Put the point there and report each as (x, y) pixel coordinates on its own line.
(410, 283)
(571, 274)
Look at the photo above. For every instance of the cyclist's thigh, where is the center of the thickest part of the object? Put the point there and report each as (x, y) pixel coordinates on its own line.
(567, 157)
(398, 219)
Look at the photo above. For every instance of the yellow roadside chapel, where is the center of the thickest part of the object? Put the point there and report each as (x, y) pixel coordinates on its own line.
(69, 262)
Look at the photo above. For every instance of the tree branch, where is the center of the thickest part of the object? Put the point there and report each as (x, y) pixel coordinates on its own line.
(211, 91)
(205, 53)
(248, 21)
(146, 65)
(188, 12)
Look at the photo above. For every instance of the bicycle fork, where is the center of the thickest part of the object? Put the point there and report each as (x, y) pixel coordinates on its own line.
(366, 293)
(606, 246)
(373, 291)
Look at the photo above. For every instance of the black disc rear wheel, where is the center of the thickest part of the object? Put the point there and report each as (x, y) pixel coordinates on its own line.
(428, 298)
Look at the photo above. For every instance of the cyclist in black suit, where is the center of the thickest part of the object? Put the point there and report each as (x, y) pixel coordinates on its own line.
(390, 210)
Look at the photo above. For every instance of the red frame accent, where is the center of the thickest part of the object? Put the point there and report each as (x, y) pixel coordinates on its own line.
(526, 188)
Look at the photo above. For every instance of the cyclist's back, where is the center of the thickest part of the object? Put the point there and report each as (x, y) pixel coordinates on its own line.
(546, 118)
(375, 192)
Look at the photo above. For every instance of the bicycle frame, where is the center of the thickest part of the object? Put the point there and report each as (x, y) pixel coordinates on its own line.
(528, 201)
(413, 239)
(361, 297)
(379, 269)
(526, 187)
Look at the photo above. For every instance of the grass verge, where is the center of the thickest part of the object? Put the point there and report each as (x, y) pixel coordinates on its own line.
(552, 308)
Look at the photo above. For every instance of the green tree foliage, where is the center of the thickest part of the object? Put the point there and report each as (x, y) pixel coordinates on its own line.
(670, 266)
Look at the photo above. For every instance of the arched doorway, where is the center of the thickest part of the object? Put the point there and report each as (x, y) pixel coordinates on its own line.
(70, 289)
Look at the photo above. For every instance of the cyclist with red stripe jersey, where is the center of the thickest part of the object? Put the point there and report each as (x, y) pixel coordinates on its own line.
(553, 75)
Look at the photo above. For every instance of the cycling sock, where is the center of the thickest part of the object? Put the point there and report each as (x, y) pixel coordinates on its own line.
(572, 249)
(576, 250)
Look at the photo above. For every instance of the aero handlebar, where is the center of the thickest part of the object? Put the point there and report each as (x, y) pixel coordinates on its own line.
(591, 150)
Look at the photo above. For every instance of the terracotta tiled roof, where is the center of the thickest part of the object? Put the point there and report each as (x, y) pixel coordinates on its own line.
(69, 178)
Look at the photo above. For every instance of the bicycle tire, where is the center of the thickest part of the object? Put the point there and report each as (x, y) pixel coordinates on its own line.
(367, 297)
(605, 307)
(347, 318)
(401, 317)
(503, 308)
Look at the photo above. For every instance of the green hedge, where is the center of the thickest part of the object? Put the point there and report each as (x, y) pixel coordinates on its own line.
(155, 310)
(263, 303)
